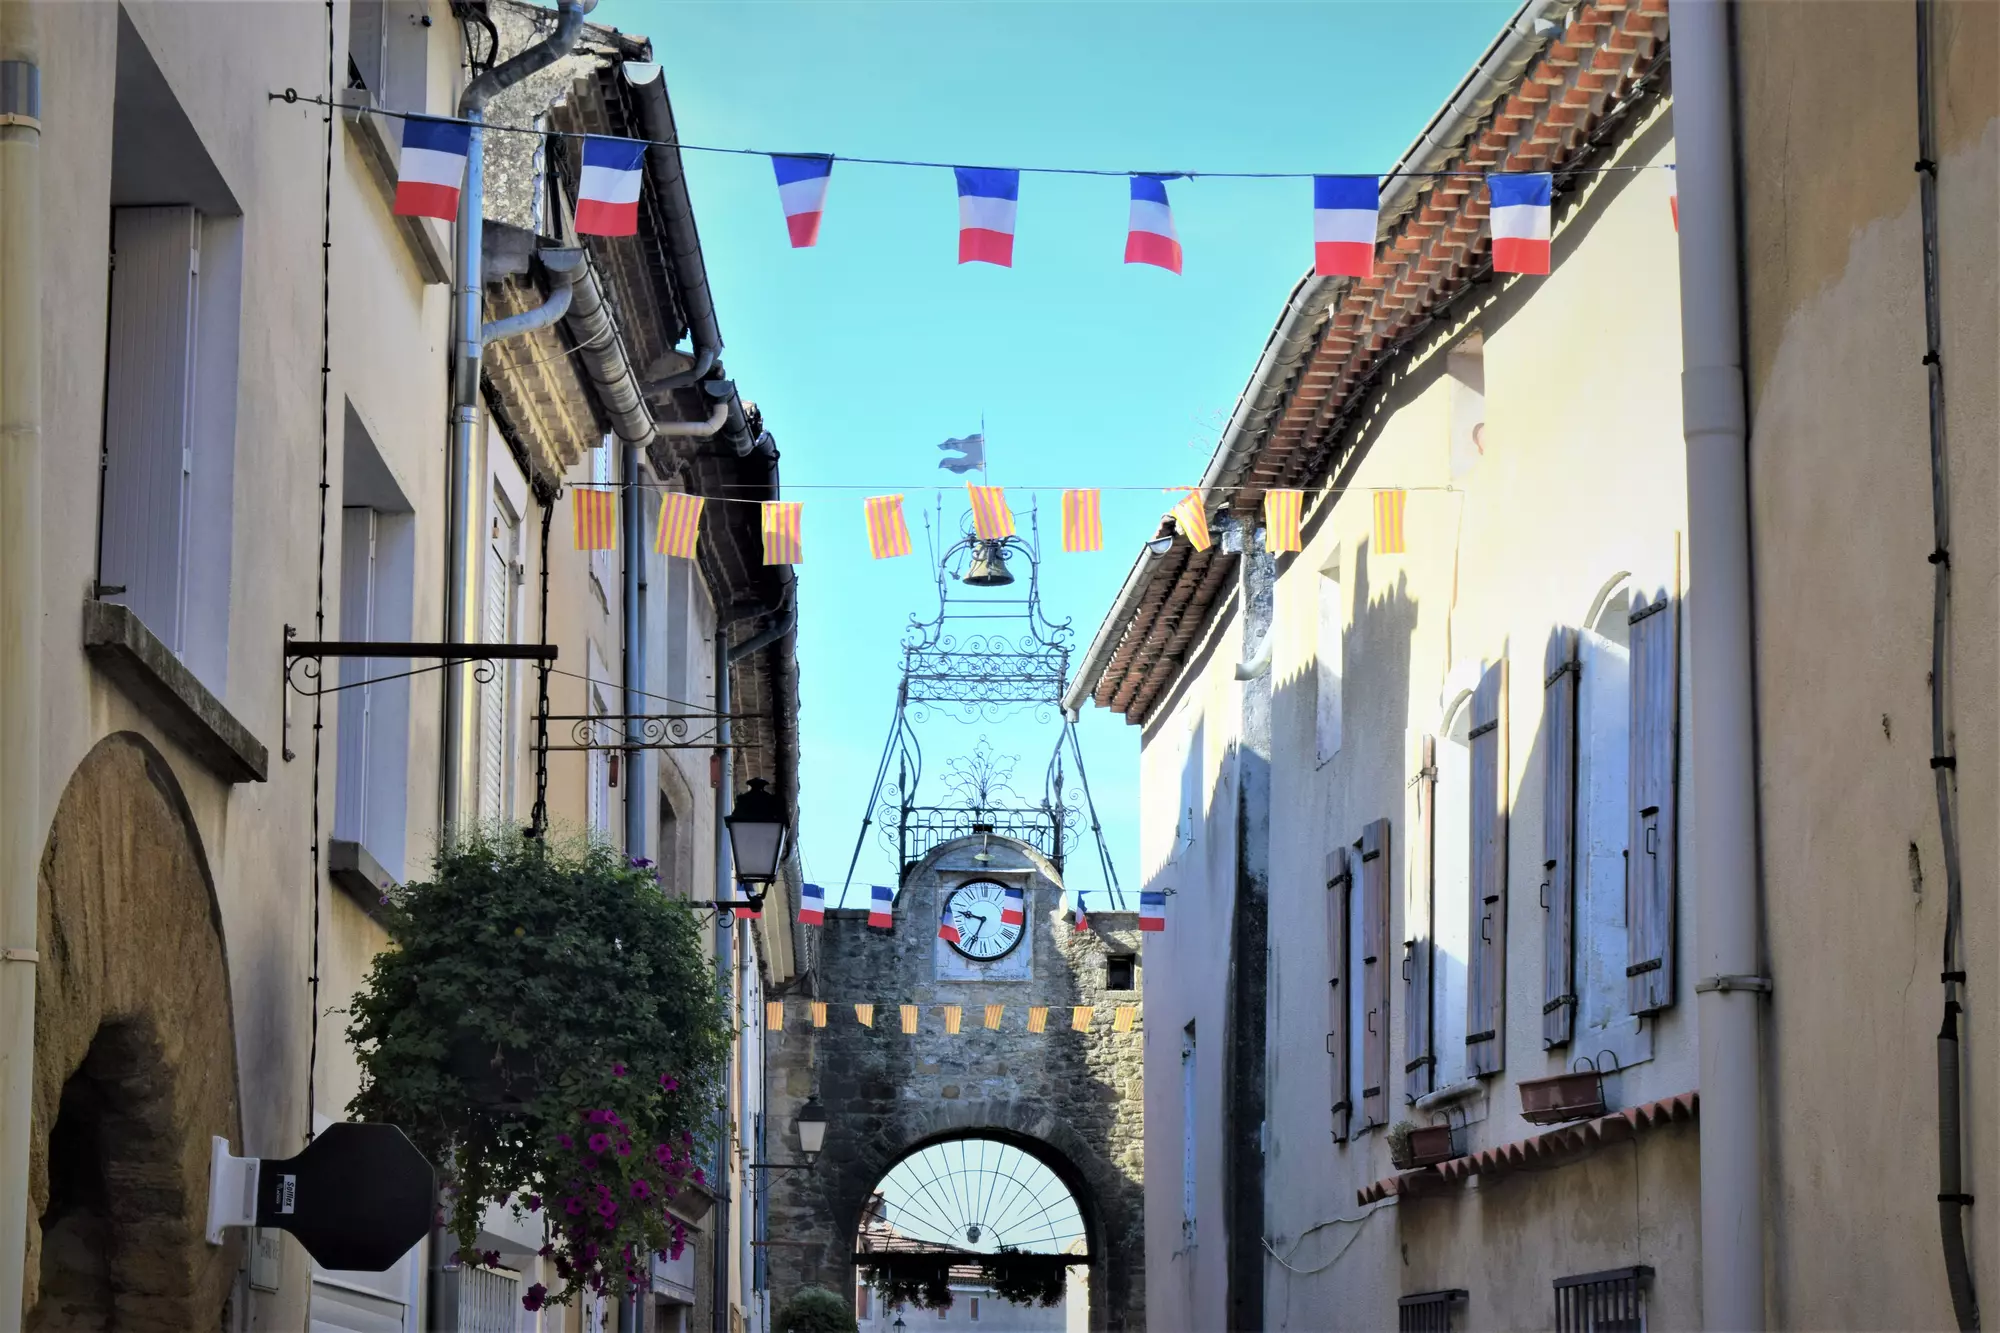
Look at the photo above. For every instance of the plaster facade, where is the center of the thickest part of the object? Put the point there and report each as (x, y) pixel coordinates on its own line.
(1072, 1099)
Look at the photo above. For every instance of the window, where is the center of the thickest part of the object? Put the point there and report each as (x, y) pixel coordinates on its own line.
(169, 444)
(975, 1309)
(1465, 372)
(388, 52)
(1328, 656)
(1427, 1311)
(597, 796)
(1603, 762)
(1450, 892)
(1467, 954)
(1189, 1157)
(603, 563)
(1120, 971)
(1613, 1301)
(377, 575)
(861, 1300)
(1343, 989)
(502, 579)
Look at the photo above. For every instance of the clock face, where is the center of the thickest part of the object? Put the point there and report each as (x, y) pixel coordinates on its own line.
(979, 910)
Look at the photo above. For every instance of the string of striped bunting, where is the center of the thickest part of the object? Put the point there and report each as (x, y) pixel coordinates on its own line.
(1191, 517)
(1281, 521)
(680, 524)
(784, 542)
(888, 532)
(594, 519)
(1082, 520)
(992, 520)
(951, 1017)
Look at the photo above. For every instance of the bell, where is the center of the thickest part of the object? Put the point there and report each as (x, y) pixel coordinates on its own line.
(989, 567)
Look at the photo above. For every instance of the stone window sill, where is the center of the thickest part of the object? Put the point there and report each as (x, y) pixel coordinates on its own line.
(359, 875)
(429, 240)
(168, 693)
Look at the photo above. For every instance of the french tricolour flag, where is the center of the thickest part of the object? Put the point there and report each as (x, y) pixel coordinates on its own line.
(607, 193)
(881, 899)
(1013, 912)
(1152, 911)
(812, 906)
(1151, 238)
(1346, 212)
(987, 197)
(1520, 222)
(433, 167)
(802, 191)
(947, 931)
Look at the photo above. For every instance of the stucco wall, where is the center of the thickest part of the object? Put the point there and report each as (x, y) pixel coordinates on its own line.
(1841, 523)
(1581, 482)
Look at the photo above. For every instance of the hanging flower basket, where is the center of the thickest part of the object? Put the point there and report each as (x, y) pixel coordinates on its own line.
(548, 1029)
(1412, 1147)
(1560, 1098)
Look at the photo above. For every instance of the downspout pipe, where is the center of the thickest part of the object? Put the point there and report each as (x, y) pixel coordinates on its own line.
(638, 762)
(561, 266)
(602, 353)
(786, 622)
(690, 274)
(1721, 764)
(468, 454)
(21, 628)
(725, 975)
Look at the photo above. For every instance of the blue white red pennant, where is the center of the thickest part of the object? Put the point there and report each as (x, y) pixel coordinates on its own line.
(607, 189)
(947, 931)
(802, 183)
(987, 200)
(1013, 912)
(1150, 237)
(1346, 212)
(1520, 222)
(1152, 911)
(1081, 923)
(432, 169)
(881, 899)
(812, 905)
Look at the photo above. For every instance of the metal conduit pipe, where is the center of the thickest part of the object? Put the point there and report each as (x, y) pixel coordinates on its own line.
(21, 796)
(663, 166)
(1721, 762)
(725, 975)
(639, 797)
(602, 353)
(1309, 301)
(697, 430)
(561, 267)
(787, 611)
(468, 453)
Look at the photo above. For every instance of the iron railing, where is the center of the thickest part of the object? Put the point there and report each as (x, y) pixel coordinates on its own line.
(922, 827)
(1427, 1311)
(1613, 1301)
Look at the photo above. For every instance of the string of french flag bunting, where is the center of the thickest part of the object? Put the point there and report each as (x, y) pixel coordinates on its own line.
(1345, 225)
(594, 521)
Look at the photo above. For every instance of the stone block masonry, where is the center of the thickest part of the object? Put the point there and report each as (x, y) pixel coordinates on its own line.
(1072, 1099)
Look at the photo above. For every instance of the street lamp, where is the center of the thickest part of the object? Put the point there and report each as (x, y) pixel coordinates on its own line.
(899, 1325)
(811, 1124)
(757, 835)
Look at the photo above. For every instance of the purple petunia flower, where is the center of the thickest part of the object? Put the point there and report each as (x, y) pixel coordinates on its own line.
(670, 1083)
(607, 1209)
(574, 1206)
(624, 1147)
(700, 1176)
(662, 1153)
(641, 1190)
(533, 1297)
(618, 1070)
(600, 1143)
(565, 1141)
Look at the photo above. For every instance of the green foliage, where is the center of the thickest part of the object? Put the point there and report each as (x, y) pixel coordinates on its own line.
(816, 1310)
(1027, 1279)
(915, 1279)
(548, 1029)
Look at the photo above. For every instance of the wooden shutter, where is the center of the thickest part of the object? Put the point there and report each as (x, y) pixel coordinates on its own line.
(148, 405)
(366, 37)
(1420, 943)
(1339, 898)
(1650, 872)
(1374, 847)
(1486, 979)
(1559, 724)
(357, 621)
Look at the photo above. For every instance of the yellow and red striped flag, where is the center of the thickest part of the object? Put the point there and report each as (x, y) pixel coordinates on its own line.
(909, 1015)
(680, 524)
(819, 1013)
(991, 519)
(1193, 521)
(954, 1015)
(993, 1013)
(888, 533)
(1038, 1017)
(1282, 510)
(1080, 1016)
(594, 516)
(864, 1014)
(774, 1015)
(783, 544)
(1083, 521)
(1121, 1021)
(1389, 522)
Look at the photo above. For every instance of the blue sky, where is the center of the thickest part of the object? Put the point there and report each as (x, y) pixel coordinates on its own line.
(868, 350)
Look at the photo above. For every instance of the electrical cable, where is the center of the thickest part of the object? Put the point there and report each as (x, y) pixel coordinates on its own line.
(1285, 1259)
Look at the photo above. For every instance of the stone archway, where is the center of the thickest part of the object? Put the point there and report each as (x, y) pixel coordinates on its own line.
(135, 1058)
(1072, 1099)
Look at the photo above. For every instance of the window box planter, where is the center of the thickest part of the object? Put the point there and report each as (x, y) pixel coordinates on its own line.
(1421, 1146)
(1560, 1098)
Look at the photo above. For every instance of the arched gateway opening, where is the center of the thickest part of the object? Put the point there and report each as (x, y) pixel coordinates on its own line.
(992, 1078)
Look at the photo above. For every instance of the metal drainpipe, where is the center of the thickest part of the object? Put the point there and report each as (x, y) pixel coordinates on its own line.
(725, 937)
(638, 766)
(20, 619)
(1721, 770)
(468, 441)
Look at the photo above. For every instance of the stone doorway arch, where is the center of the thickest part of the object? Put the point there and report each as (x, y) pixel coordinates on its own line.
(1071, 1098)
(135, 1058)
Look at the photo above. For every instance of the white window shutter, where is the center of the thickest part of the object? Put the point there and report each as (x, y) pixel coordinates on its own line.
(1420, 942)
(1650, 870)
(148, 407)
(1486, 973)
(1558, 888)
(1374, 849)
(1339, 899)
(357, 621)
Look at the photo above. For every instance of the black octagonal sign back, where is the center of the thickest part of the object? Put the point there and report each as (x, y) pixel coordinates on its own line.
(359, 1197)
